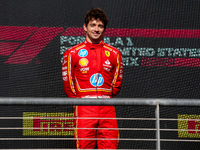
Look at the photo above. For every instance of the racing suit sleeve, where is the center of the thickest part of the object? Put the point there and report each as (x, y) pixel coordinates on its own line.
(68, 75)
(117, 81)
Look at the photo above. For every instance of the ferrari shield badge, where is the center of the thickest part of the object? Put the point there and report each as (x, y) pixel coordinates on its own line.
(107, 53)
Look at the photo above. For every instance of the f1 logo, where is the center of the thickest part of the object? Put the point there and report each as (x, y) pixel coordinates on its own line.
(22, 44)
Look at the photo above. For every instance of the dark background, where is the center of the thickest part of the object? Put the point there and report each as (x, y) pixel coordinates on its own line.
(44, 79)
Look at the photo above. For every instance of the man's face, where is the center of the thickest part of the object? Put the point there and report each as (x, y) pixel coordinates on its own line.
(94, 30)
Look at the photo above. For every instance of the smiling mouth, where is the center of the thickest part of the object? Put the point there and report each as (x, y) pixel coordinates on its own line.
(95, 34)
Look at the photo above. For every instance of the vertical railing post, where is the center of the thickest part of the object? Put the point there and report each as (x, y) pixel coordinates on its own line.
(157, 114)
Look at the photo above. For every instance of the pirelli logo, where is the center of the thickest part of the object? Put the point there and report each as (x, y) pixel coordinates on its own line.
(189, 127)
(53, 124)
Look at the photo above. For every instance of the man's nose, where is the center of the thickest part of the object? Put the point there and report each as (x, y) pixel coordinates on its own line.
(96, 28)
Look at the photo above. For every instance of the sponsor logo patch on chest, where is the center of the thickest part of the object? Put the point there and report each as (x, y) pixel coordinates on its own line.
(83, 62)
(84, 70)
(83, 53)
(107, 64)
(107, 53)
(96, 80)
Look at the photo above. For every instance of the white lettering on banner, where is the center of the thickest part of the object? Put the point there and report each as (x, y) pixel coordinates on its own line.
(129, 41)
(143, 52)
(132, 55)
(178, 52)
(129, 61)
(72, 40)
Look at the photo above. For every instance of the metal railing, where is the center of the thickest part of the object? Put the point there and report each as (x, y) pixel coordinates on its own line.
(115, 101)
(104, 101)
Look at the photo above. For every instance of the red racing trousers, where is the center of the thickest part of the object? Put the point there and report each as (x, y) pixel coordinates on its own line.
(98, 129)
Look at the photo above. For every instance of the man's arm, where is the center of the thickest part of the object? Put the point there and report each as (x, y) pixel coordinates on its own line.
(117, 82)
(68, 75)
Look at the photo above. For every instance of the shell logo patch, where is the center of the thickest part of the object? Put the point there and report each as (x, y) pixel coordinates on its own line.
(107, 53)
(83, 62)
(83, 53)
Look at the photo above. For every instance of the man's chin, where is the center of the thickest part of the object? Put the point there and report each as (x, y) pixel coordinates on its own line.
(96, 37)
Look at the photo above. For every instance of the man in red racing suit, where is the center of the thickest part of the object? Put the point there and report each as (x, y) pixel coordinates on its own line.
(93, 71)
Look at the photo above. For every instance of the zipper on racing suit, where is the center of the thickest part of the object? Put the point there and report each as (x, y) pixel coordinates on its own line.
(99, 65)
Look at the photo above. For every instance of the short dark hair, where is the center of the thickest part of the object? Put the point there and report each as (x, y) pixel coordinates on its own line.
(96, 13)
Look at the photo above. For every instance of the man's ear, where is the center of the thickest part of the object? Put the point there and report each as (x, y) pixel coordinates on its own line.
(84, 27)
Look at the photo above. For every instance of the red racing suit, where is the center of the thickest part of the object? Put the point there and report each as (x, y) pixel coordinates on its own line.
(93, 71)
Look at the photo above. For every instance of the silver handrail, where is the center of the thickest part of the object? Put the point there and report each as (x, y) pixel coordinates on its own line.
(100, 101)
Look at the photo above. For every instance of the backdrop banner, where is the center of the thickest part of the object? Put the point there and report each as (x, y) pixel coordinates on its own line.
(159, 43)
